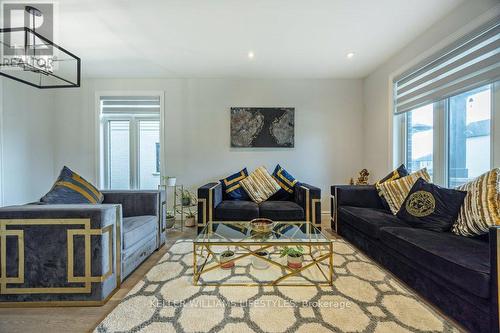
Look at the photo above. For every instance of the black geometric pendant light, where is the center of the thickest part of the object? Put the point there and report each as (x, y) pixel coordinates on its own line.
(27, 56)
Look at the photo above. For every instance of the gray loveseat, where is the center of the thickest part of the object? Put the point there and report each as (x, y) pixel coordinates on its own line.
(77, 254)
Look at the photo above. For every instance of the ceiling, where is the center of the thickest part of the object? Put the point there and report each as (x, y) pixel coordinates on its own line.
(212, 38)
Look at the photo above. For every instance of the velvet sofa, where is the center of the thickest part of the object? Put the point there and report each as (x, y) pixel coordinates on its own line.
(76, 254)
(457, 274)
(213, 205)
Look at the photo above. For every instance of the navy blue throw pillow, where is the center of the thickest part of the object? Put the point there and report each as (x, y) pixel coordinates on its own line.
(431, 207)
(287, 183)
(71, 188)
(231, 186)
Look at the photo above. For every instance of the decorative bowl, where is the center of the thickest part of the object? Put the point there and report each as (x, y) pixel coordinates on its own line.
(261, 225)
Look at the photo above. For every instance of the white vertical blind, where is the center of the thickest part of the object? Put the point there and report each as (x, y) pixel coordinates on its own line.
(470, 63)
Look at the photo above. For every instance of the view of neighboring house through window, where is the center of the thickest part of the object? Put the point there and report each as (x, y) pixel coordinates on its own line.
(130, 142)
(469, 135)
(464, 153)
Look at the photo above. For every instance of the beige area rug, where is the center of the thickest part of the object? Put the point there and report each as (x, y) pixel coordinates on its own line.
(364, 298)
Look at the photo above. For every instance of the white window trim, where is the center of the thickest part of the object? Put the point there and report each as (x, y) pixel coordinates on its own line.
(441, 130)
(100, 177)
(1, 145)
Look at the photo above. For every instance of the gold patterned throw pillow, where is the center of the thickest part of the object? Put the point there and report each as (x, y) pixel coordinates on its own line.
(481, 208)
(260, 185)
(395, 191)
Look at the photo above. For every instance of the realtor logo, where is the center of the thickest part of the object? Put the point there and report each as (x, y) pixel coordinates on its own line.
(21, 49)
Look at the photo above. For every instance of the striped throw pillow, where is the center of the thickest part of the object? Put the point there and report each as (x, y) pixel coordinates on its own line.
(396, 191)
(71, 188)
(481, 208)
(260, 185)
(395, 174)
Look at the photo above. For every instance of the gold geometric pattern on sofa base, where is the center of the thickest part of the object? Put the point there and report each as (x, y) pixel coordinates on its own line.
(87, 279)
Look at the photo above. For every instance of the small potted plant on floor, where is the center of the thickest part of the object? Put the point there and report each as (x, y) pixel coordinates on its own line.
(294, 256)
(190, 218)
(170, 219)
(226, 259)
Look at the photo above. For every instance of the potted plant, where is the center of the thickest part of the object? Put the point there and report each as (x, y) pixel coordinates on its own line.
(226, 259)
(259, 263)
(169, 180)
(190, 218)
(170, 219)
(294, 256)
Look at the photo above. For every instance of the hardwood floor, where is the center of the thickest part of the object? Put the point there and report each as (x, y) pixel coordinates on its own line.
(80, 319)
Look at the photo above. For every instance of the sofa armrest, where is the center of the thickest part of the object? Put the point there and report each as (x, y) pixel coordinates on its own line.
(357, 196)
(209, 197)
(309, 198)
(494, 240)
(353, 195)
(62, 245)
(135, 203)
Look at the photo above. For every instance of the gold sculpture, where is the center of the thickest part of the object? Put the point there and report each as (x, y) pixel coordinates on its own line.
(362, 179)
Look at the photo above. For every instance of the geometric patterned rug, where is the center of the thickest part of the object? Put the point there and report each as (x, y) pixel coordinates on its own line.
(363, 298)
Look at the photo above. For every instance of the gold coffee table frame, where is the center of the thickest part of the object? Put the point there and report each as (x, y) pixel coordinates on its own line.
(203, 243)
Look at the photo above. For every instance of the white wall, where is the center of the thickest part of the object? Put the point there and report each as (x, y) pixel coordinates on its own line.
(377, 117)
(27, 142)
(328, 120)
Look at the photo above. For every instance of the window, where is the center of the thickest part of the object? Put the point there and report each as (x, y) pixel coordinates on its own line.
(446, 107)
(469, 135)
(130, 147)
(465, 122)
(420, 140)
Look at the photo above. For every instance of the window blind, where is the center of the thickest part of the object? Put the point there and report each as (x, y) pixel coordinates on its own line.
(130, 105)
(470, 63)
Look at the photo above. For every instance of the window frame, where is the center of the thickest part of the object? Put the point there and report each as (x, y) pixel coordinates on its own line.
(101, 140)
(441, 136)
(134, 144)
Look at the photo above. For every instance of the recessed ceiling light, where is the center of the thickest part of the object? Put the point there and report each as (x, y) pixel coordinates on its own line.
(251, 55)
(350, 55)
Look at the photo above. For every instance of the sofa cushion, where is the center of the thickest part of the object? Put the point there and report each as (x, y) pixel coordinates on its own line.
(458, 260)
(287, 183)
(431, 207)
(281, 211)
(368, 220)
(231, 210)
(259, 185)
(71, 188)
(400, 172)
(481, 208)
(136, 228)
(231, 187)
(396, 191)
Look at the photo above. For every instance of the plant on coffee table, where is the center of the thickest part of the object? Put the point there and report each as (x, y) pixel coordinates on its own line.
(295, 256)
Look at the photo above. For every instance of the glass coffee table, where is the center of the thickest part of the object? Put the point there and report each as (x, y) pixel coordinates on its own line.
(234, 254)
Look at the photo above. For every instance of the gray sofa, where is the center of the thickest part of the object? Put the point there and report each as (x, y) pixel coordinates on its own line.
(77, 254)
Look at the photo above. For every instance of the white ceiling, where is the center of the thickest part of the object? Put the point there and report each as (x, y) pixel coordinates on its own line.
(212, 38)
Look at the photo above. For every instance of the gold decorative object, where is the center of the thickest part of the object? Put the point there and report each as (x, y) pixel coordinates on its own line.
(363, 177)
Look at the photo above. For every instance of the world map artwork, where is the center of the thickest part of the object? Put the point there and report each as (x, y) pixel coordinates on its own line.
(262, 127)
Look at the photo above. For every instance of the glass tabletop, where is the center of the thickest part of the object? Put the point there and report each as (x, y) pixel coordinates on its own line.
(242, 232)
